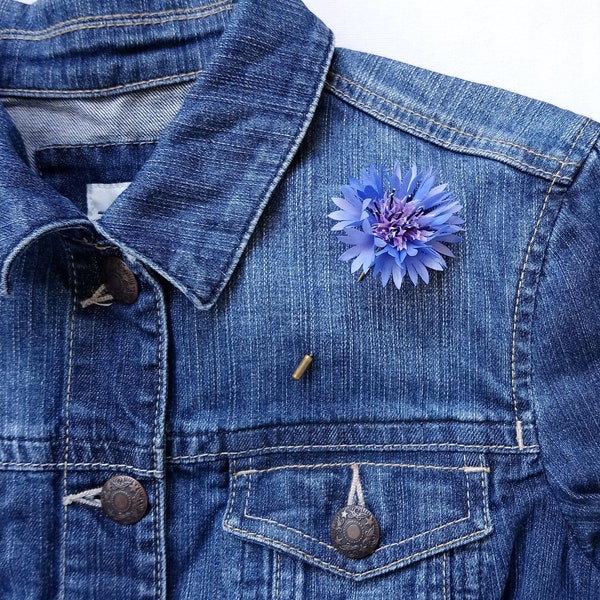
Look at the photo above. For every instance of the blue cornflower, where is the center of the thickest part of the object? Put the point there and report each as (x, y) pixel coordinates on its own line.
(398, 230)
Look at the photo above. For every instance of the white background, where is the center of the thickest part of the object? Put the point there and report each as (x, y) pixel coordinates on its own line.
(546, 49)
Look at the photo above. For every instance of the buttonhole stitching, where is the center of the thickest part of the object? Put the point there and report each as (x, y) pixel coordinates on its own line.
(89, 497)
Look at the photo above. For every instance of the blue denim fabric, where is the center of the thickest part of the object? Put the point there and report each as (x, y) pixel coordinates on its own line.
(468, 407)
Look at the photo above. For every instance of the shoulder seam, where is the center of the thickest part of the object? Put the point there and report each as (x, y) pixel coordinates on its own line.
(393, 120)
(449, 127)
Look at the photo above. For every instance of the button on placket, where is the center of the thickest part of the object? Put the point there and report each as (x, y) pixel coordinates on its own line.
(115, 376)
(124, 499)
(119, 280)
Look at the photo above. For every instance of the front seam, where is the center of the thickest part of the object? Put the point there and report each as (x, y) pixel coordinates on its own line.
(189, 459)
(317, 447)
(67, 424)
(155, 511)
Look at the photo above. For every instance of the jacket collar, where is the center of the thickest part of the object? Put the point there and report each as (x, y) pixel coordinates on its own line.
(191, 209)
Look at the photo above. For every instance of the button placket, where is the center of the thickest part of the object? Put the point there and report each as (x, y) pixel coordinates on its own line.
(111, 430)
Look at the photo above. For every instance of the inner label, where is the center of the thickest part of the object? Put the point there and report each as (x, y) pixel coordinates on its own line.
(101, 195)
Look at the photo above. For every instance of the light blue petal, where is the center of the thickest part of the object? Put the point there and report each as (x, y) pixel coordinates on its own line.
(398, 275)
(340, 215)
(439, 247)
(350, 253)
(421, 270)
(412, 273)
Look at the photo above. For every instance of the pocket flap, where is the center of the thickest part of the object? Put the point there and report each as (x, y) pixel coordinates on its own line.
(422, 507)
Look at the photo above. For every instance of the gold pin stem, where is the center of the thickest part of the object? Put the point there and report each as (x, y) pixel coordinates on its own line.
(302, 366)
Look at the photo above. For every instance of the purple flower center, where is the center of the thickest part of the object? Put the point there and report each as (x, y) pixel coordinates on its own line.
(397, 222)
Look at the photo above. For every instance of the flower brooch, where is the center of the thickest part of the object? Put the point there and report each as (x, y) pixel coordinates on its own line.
(400, 230)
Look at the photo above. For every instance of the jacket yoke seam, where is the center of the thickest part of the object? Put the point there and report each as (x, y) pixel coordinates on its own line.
(119, 20)
(383, 447)
(454, 129)
(512, 160)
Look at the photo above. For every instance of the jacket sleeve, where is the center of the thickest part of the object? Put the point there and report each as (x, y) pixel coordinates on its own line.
(565, 378)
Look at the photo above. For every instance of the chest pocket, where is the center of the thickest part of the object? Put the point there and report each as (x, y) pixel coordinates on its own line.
(416, 506)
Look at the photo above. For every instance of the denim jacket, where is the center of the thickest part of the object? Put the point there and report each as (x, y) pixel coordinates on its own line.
(167, 170)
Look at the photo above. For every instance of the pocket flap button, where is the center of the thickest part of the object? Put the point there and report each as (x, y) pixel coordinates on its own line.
(355, 531)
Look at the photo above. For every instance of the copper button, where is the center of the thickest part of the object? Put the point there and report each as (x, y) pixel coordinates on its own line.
(118, 279)
(355, 531)
(124, 499)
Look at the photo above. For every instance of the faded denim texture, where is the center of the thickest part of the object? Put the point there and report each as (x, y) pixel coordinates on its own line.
(468, 407)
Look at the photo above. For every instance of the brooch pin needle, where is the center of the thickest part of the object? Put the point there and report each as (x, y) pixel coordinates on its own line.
(302, 366)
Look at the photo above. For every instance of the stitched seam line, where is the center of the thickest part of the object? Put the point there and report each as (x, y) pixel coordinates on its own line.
(87, 146)
(405, 559)
(449, 127)
(232, 500)
(366, 464)
(346, 447)
(97, 90)
(67, 425)
(277, 574)
(175, 459)
(71, 465)
(513, 365)
(444, 575)
(116, 16)
(154, 449)
(107, 21)
(486, 517)
(445, 143)
(157, 568)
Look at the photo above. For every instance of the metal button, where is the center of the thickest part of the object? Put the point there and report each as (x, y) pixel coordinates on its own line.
(118, 279)
(124, 499)
(355, 531)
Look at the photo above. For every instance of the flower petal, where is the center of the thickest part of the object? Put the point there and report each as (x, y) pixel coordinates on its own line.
(398, 230)
(398, 272)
